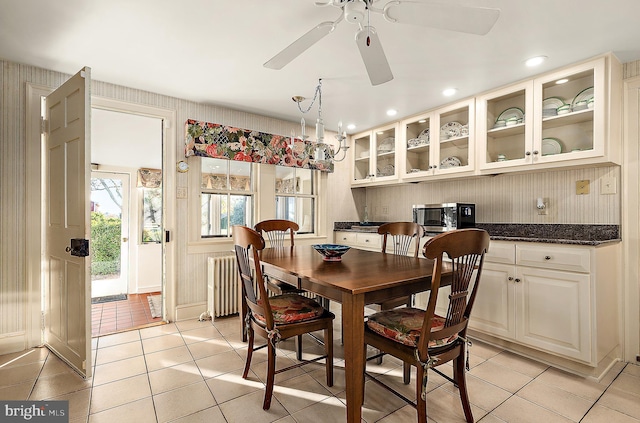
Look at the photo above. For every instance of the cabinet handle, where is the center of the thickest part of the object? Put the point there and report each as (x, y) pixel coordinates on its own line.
(366, 240)
(517, 279)
(527, 153)
(535, 152)
(547, 257)
(510, 278)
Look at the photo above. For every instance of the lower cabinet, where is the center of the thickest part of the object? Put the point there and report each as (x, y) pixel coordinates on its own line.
(550, 298)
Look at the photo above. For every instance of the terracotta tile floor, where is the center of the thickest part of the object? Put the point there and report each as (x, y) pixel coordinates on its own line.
(190, 371)
(116, 316)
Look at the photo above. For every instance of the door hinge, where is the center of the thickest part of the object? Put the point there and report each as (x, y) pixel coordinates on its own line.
(43, 125)
(167, 236)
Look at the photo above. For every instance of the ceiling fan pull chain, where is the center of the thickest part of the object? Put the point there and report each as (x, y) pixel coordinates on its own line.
(368, 24)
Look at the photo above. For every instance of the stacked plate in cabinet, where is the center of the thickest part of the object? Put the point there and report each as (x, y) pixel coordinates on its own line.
(511, 116)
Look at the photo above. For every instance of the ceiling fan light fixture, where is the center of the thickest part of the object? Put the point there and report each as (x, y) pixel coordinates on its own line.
(535, 61)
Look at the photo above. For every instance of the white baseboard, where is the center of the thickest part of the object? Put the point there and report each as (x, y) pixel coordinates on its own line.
(13, 342)
(190, 311)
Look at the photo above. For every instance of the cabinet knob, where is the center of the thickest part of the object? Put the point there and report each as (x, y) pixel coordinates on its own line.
(517, 279)
(510, 278)
(547, 257)
(535, 152)
(366, 240)
(527, 153)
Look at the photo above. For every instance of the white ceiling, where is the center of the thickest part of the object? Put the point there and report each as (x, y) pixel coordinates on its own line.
(212, 51)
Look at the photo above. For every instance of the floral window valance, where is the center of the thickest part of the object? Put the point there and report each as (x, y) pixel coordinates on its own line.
(227, 142)
(149, 178)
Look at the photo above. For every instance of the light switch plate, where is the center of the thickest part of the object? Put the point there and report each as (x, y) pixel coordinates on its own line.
(608, 185)
(181, 192)
(582, 187)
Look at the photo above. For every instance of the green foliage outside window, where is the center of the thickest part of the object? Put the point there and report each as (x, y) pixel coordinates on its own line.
(105, 244)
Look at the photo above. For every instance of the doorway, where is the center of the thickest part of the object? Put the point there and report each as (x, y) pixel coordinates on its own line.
(126, 220)
(109, 236)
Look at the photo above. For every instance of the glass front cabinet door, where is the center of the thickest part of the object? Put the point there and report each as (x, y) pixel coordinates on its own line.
(505, 133)
(440, 143)
(374, 159)
(570, 113)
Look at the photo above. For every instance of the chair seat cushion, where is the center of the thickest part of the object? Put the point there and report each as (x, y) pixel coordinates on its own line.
(405, 324)
(291, 308)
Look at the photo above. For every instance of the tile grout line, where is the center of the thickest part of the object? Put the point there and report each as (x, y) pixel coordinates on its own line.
(603, 392)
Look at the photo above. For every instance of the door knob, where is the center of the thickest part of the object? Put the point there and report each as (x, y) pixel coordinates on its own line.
(125, 239)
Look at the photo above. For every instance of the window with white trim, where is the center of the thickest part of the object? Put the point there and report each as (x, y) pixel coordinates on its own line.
(227, 196)
(296, 196)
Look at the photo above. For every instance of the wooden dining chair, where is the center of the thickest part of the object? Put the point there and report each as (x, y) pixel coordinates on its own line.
(278, 317)
(400, 235)
(277, 231)
(421, 337)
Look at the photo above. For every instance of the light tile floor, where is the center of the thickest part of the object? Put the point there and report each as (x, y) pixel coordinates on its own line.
(190, 371)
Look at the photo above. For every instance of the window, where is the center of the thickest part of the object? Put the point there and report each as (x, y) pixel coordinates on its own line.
(151, 215)
(227, 196)
(296, 196)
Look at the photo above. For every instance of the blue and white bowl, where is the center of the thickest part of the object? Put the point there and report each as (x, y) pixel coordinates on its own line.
(331, 252)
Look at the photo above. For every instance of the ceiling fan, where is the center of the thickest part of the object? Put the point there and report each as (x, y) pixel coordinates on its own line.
(468, 19)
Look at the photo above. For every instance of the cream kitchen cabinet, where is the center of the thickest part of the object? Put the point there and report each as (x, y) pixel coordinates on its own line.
(374, 156)
(558, 299)
(364, 240)
(520, 127)
(437, 144)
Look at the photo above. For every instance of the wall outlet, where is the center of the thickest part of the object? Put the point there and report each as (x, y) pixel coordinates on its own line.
(608, 185)
(582, 187)
(385, 210)
(181, 192)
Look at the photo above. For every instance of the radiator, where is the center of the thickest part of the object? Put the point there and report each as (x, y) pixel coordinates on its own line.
(223, 286)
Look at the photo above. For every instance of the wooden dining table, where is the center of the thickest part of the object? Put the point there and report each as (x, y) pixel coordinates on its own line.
(361, 278)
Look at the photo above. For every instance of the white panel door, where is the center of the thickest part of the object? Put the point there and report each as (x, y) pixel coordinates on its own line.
(67, 309)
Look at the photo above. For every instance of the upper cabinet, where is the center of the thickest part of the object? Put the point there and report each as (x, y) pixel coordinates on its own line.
(566, 118)
(439, 143)
(374, 156)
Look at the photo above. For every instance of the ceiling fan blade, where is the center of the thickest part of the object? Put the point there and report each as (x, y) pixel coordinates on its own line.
(471, 20)
(299, 46)
(373, 56)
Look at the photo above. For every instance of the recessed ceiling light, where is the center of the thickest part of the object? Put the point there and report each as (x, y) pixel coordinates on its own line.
(535, 61)
(422, 121)
(380, 132)
(562, 81)
(449, 92)
(392, 112)
(351, 126)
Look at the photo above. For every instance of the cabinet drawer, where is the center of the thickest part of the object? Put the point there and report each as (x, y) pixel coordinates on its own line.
(369, 240)
(548, 257)
(345, 238)
(501, 252)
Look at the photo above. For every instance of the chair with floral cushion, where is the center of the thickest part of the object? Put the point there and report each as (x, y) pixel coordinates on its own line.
(278, 317)
(425, 339)
(401, 235)
(277, 231)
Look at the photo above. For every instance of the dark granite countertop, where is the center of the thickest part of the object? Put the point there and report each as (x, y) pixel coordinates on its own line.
(569, 234)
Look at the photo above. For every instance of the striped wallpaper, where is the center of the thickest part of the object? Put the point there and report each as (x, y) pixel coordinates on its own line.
(505, 198)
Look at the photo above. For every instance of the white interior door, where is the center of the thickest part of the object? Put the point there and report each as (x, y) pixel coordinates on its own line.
(67, 309)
